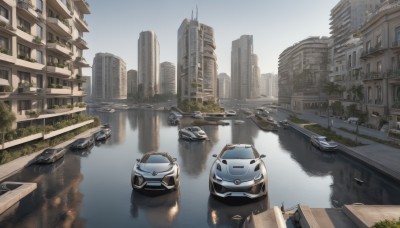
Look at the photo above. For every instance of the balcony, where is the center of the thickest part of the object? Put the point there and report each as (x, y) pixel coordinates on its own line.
(25, 8)
(372, 52)
(80, 78)
(59, 48)
(28, 38)
(373, 76)
(396, 46)
(27, 88)
(58, 26)
(82, 6)
(81, 62)
(5, 87)
(79, 93)
(58, 90)
(80, 43)
(5, 56)
(81, 25)
(61, 8)
(28, 63)
(394, 74)
(5, 27)
(60, 70)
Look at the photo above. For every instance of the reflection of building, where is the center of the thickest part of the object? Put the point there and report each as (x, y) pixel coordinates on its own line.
(167, 78)
(161, 210)
(224, 85)
(244, 133)
(148, 65)
(132, 80)
(269, 85)
(149, 131)
(197, 62)
(117, 120)
(108, 77)
(133, 119)
(303, 70)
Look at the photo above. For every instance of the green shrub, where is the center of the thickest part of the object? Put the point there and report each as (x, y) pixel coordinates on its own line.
(296, 120)
(387, 224)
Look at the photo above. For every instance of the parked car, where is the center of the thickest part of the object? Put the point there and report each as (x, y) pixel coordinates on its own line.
(197, 115)
(238, 171)
(102, 134)
(323, 143)
(155, 171)
(51, 155)
(284, 124)
(173, 120)
(192, 133)
(352, 120)
(83, 143)
(230, 113)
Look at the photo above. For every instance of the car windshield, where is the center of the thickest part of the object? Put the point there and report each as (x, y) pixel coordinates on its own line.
(196, 129)
(324, 139)
(49, 151)
(99, 133)
(155, 158)
(80, 140)
(239, 153)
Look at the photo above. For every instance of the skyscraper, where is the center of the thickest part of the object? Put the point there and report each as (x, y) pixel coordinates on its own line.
(245, 72)
(197, 62)
(132, 79)
(167, 78)
(109, 77)
(224, 85)
(148, 65)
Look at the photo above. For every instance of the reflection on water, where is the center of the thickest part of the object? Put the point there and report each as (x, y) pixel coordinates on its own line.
(160, 209)
(149, 131)
(232, 212)
(244, 133)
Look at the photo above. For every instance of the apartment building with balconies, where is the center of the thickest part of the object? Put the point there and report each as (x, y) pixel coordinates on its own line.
(167, 78)
(224, 86)
(41, 59)
(132, 80)
(381, 65)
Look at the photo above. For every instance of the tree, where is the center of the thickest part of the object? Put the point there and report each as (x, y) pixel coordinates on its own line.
(7, 118)
(331, 89)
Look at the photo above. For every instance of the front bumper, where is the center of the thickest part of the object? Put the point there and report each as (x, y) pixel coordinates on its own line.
(250, 189)
(146, 181)
(329, 148)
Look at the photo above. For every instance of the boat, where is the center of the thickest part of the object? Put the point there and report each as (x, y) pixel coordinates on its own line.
(105, 110)
(238, 121)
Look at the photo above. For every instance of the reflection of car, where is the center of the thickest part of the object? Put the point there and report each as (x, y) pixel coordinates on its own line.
(197, 115)
(86, 151)
(192, 133)
(238, 171)
(323, 143)
(102, 134)
(83, 143)
(284, 124)
(230, 113)
(51, 155)
(173, 120)
(155, 171)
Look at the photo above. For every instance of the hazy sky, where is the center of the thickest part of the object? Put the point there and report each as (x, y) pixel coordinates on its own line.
(275, 25)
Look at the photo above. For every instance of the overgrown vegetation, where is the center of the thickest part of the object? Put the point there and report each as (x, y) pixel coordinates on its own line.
(387, 224)
(331, 134)
(207, 106)
(31, 147)
(296, 120)
(381, 141)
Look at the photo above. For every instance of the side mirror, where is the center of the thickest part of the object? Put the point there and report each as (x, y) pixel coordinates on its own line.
(214, 155)
(138, 159)
(262, 156)
(174, 159)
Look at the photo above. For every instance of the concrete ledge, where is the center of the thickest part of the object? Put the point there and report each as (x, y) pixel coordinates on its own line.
(307, 219)
(367, 215)
(13, 196)
(66, 129)
(271, 218)
(22, 140)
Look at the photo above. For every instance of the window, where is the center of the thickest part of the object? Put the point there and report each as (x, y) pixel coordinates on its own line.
(349, 61)
(24, 25)
(39, 79)
(24, 105)
(379, 41)
(39, 6)
(368, 46)
(379, 67)
(24, 76)
(4, 12)
(368, 68)
(39, 57)
(354, 61)
(39, 31)
(378, 94)
(23, 51)
(4, 45)
(397, 40)
(369, 93)
(4, 74)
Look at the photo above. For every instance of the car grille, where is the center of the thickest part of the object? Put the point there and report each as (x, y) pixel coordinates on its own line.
(252, 190)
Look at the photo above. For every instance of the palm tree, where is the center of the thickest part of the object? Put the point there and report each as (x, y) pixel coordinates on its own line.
(6, 119)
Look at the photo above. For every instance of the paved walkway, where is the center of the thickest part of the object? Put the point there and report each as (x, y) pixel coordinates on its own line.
(12, 167)
(380, 156)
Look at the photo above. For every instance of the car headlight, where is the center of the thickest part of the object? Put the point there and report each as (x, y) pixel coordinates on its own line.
(139, 180)
(258, 177)
(219, 167)
(216, 177)
(257, 167)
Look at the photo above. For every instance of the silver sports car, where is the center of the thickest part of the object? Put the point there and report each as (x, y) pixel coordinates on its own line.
(155, 171)
(192, 133)
(238, 171)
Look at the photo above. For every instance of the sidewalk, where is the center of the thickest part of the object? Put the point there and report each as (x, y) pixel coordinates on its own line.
(12, 167)
(384, 158)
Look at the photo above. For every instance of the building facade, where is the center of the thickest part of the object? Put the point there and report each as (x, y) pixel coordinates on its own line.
(132, 80)
(108, 77)
(167, 78)
(148, 65)
(224, 86)
(197, 62)
(87, 87)
(269, 85)
(303, 70)
(381, 65)
(41, 59)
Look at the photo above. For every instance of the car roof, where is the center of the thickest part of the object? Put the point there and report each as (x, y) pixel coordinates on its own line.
(238, 145)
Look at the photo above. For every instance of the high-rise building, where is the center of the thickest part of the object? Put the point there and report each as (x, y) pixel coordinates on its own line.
(41, 57)
(148, 65)
(132, 80)
(109, 77)
(167, 78)
(245, 73)
(224, 85)
(197, 62)
(303, 70)
(87, 87)
(269, 85)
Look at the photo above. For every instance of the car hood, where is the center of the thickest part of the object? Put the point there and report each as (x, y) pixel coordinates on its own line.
(157, 167)
(239, 169)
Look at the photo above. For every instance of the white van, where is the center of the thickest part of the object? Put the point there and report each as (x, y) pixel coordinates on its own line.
(352, 120)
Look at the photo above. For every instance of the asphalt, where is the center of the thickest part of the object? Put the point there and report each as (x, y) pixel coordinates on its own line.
(380, 156)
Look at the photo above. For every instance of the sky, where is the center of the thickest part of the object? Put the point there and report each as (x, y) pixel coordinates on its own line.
(275, 25)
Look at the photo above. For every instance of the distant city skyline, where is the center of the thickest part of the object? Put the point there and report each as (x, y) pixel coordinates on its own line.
(115, 28)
